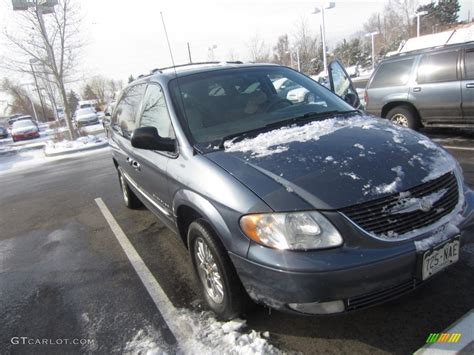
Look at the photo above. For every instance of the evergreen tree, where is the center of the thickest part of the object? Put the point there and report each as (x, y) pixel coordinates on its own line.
(130, 78)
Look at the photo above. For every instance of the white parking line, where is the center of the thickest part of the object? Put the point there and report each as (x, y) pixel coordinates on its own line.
(162, 302)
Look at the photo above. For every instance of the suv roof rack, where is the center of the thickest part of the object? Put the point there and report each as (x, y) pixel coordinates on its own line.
(428, 49)
(195, 63)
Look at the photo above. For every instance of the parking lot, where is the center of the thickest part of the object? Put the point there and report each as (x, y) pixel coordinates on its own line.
(65, 275)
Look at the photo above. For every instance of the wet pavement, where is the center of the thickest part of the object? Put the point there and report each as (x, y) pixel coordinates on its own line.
(64, 276)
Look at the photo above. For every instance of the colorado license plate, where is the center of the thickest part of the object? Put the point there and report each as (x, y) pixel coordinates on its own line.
(441, 256)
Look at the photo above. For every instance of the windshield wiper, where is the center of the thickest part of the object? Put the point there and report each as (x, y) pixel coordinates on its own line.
(308, 116)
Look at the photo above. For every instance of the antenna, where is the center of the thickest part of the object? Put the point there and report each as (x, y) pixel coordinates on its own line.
(176, 76)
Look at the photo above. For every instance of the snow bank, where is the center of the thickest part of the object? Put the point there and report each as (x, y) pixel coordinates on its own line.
(82, 143)
(212, 337)
(204, 335)
(277, 141)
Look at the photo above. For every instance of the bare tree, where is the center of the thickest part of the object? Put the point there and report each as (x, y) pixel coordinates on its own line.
(259, 51)
(52, 43)
(309, 48)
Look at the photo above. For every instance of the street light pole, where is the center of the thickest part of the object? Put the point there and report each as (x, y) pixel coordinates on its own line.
(418, 15)
(323, 30)
(373, 34)
(298, 58)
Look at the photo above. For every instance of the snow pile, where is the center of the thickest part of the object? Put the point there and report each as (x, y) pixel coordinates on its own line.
(208, 336)
(66, 146)
(411, 204)
(146, 342)
(277, 141)
(393, 186)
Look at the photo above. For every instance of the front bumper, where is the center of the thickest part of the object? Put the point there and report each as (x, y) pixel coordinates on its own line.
(362, 273)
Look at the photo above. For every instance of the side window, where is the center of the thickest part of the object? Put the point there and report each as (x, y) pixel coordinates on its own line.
(392, 74)
(126, 111)
(437, 67)
(469, 64)
(155, 112)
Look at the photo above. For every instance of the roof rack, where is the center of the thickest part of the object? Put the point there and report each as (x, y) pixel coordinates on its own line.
(195, 63)
(428, 49)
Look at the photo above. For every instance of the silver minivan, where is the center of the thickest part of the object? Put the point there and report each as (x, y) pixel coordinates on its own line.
(430, 87)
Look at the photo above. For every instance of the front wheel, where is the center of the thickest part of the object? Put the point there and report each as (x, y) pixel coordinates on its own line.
(129, 197)
(404, 116)
(220, 285)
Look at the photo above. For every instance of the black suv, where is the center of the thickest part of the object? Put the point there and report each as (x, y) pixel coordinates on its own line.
(307, 206)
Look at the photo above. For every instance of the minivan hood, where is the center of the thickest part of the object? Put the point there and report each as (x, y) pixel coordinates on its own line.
(334, 163)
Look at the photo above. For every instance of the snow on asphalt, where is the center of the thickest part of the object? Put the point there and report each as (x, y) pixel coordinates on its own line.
(32, 158)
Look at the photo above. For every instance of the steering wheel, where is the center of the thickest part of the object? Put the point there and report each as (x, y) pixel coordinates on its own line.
(273, 105)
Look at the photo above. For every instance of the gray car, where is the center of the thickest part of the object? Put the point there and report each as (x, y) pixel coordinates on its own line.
(430, 87)
(308, 207)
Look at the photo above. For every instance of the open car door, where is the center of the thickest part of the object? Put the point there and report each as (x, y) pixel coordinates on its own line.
(341, 84)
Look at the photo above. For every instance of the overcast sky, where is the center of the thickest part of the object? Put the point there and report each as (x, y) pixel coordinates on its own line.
(127, 37)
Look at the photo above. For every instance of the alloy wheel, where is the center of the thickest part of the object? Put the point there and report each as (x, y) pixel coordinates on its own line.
(400, 120)
(209, 272)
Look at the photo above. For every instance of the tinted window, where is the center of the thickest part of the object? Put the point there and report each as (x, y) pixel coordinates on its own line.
(250, 98)
(126, 112)
(155, 112)
(437, 67)
(469, 64)
(392, 74)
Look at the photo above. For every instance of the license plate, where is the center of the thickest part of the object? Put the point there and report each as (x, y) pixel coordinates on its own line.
(438, 258)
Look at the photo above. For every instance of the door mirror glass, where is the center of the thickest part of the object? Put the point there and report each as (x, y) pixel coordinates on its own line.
(148, 138)
(341, 84)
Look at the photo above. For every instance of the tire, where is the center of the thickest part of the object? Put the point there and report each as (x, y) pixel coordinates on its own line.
(129, 198)
(203, 242)
(404, 116)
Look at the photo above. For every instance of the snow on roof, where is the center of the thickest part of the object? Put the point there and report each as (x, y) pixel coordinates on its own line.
(459, 35)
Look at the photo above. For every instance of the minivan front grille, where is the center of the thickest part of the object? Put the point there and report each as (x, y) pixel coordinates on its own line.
(384, 217)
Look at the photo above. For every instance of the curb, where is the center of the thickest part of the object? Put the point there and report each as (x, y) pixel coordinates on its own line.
(20, 149)
(72, 151)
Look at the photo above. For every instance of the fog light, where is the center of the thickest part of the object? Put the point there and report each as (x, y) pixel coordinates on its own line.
(318, 307)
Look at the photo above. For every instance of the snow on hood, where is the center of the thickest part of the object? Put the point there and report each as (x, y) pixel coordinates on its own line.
(277, 141)
(334, 163)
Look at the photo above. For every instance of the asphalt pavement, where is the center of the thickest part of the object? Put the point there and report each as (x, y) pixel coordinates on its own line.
(63, 275)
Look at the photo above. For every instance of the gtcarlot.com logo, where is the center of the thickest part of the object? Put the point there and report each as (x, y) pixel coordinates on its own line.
(443, 338)
(43, 341)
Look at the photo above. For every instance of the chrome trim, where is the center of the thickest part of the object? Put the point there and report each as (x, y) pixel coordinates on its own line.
(144, 194)
(406, 236)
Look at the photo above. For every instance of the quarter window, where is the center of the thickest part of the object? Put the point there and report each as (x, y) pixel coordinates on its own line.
(155, 112)
(392, 74)
(469, 64)
(126, 111)
(437, 67)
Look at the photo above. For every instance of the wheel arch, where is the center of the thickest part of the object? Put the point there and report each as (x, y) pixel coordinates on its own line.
(189, 206)
(390, 105)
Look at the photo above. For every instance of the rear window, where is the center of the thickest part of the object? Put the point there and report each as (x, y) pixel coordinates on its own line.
(392, 74)
(437, 67)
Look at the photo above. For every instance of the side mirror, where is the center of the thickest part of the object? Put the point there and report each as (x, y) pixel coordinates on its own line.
(148, 138)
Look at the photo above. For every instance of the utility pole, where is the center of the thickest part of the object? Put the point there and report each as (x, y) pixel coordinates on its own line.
(189, 53)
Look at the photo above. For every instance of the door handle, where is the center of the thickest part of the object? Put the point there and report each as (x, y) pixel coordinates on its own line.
(470, 85)
(416, 89)
(136, 165)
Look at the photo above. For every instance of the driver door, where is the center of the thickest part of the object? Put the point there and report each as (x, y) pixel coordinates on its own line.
(341, 84)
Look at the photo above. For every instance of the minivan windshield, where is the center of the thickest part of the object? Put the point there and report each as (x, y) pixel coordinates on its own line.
(224, 103)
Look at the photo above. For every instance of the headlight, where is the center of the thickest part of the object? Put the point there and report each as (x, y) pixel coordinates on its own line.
(293, 231)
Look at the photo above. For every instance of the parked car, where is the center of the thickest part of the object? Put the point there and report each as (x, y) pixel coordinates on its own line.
(430, 87)
(304, 207)
(85, 117)
(3, 132)
(24, 129)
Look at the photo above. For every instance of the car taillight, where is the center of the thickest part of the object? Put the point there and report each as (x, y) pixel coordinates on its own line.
(366, 98)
